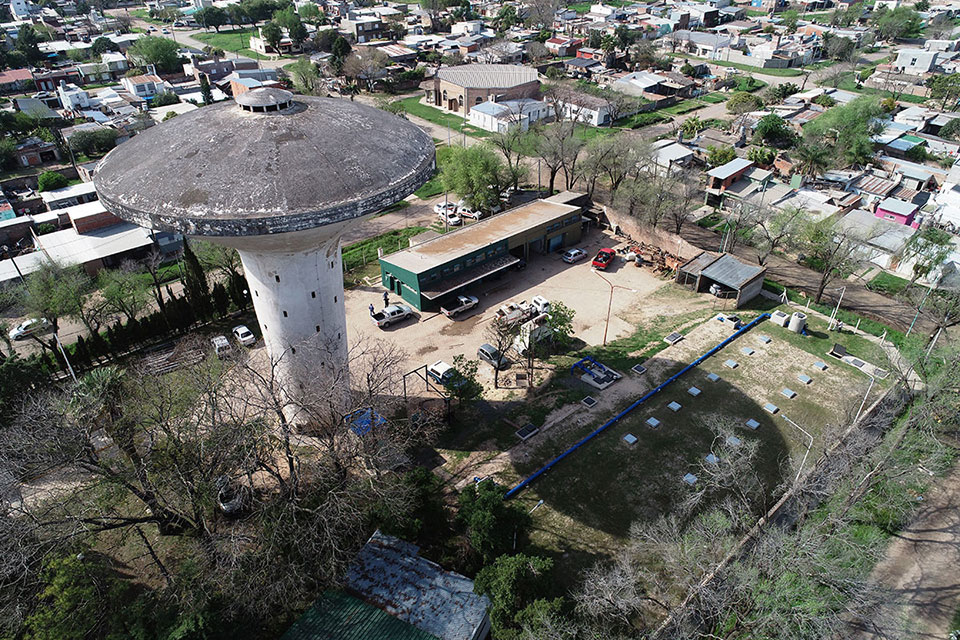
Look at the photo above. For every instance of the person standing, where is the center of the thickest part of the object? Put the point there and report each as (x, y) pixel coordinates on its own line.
(371, 310)
(386, 299)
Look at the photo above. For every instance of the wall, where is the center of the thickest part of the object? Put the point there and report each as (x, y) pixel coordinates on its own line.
(666, 240)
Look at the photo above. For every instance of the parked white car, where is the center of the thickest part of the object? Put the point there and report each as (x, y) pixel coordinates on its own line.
(573, 255)
(27, 328)
(445, 207)
(467, 212)
(451, 219)
(243, 335)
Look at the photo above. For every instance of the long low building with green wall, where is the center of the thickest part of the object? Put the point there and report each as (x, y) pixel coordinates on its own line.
(429, 273)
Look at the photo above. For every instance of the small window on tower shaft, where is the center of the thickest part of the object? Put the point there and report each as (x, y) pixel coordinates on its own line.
(284, 314)
(277, 277)
(334, 299)
(318, 328)
(313, 294)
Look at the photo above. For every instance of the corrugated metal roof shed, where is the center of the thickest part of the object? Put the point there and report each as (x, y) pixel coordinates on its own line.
(695, 266)
(390, 574)
(724, 171)
(730, 272)
(488, 76)
(338, 616)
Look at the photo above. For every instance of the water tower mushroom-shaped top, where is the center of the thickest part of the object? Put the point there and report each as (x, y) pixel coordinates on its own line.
(271, 163)
(279, 177)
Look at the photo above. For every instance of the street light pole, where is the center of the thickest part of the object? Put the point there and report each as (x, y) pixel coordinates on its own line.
(833, 316)
(63, 352)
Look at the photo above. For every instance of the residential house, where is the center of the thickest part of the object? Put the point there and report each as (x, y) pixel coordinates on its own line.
(32, 152)
(216, 69)
(671, 156)
(49, 80)
(582, 67)
(703, 45)
(881, 241)
(664, 84)
(69, 196)
(563, 46)
(898, 211)
(363, 28)
(112, 66)
(35, 109)
(586, 108)
(460, 88)
(15, 80)
(286, 46)
(916, 62)
(145, 86)
(719, 179)
(500, 117)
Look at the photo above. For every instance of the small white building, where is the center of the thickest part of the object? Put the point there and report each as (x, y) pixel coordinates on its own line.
(500, 117)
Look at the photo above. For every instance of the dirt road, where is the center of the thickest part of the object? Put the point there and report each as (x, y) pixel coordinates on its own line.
(920, 569)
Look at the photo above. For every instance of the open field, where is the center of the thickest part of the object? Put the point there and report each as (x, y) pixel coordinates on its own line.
(233, 40)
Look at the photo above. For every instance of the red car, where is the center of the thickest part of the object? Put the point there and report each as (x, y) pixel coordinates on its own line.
(604, 258)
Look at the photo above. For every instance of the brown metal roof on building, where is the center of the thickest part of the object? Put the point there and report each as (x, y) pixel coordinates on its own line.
(698, 264)
(902, 192)
(875, 185)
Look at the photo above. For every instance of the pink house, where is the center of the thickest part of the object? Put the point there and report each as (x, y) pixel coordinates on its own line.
(898, 211)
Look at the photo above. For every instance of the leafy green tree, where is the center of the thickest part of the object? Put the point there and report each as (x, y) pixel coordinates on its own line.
(560, 321)
(476, 174)
(789, 20)
(272, 35)
(514, 583)
(164, 99)
(28, 44)
(463, 385)
(492, 523)
(298, 34)
(780, 92)
(339, 50)
(717, 156)
(205, 91)
(311, 13)
(772, 129)
(506, 18)
(840, 48)
(921, 5)
(945, 88)
(93, 142)
(8, 153)
(195, 282)
(762, 155)
(50, 180)
(743, 102)
(124, 291)
(847, 130)
(891, 24)
(692, 126)
(688, 69)
(812, 159)
(102, 45)
(213, 16)
(951, 130)
(160, 52)
(825, 101)
(305, 76)
(928, 249)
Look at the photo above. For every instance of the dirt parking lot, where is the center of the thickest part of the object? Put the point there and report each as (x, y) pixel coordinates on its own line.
(601, 301)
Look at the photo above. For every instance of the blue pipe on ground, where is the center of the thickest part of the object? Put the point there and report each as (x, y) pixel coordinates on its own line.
(612, 421)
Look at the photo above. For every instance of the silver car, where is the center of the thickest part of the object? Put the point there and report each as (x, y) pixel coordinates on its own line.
(492, 356)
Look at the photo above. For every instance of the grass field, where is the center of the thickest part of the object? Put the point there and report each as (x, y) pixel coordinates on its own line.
(640, 120)
(684, 106)
(888, 284)
(360, 258)
(414, 107)
(714, 98)
(847, 83)
(593, 496)
(233, 40)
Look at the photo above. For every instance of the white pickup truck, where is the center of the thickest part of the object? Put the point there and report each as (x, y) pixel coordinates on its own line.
(391, 314)
(514, 312)
(461, 304)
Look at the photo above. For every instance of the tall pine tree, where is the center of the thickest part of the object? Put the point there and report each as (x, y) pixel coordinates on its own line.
(195, 283)
(205, 90)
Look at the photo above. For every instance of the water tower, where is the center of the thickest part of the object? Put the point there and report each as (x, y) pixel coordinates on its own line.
(279, 178)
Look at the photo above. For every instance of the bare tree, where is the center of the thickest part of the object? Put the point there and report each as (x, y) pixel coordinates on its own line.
(777, 229)
(511, 144)
(500, 335)
(542, 13)
(559, 149)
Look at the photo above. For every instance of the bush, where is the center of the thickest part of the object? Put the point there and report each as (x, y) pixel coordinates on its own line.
(164, 98)
(93, 142)
(50, 180)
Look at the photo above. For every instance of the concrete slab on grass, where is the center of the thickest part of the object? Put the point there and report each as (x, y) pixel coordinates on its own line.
(771, 408)
(693, 391)
(630, 438)
(765, 339)
(805, 379)
(712, 459)
(731, 364)
(820, 365)
(747, 351)
(690, 479)
(712, 377)
(788, 393)
(734, 441)
(652, 422)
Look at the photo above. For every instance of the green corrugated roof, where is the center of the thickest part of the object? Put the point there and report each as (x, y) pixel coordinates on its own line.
(913, 139)
(338, 616)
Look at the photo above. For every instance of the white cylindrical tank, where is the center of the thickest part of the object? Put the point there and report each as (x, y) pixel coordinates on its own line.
(797, 322)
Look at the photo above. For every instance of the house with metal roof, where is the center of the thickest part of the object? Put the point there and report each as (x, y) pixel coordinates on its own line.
(429, 273)
(501, 117)
(723, 275)
(390, 574)
(898, 211)
(340, 616)
(459, 89)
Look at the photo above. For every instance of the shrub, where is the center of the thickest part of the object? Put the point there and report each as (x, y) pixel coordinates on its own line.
(164, 98)
(50, 180)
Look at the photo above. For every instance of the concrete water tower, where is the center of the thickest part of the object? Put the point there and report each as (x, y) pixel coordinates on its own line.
(279, 178)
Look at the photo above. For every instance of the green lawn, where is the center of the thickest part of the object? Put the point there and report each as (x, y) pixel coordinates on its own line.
(432, 187)
(235, 40)
(714, 98)
(639, 120)
(684, 106)
(847, 83)
(360, 258)
(584, 7)
(414, 107)
(888, 284)
(786, 73)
